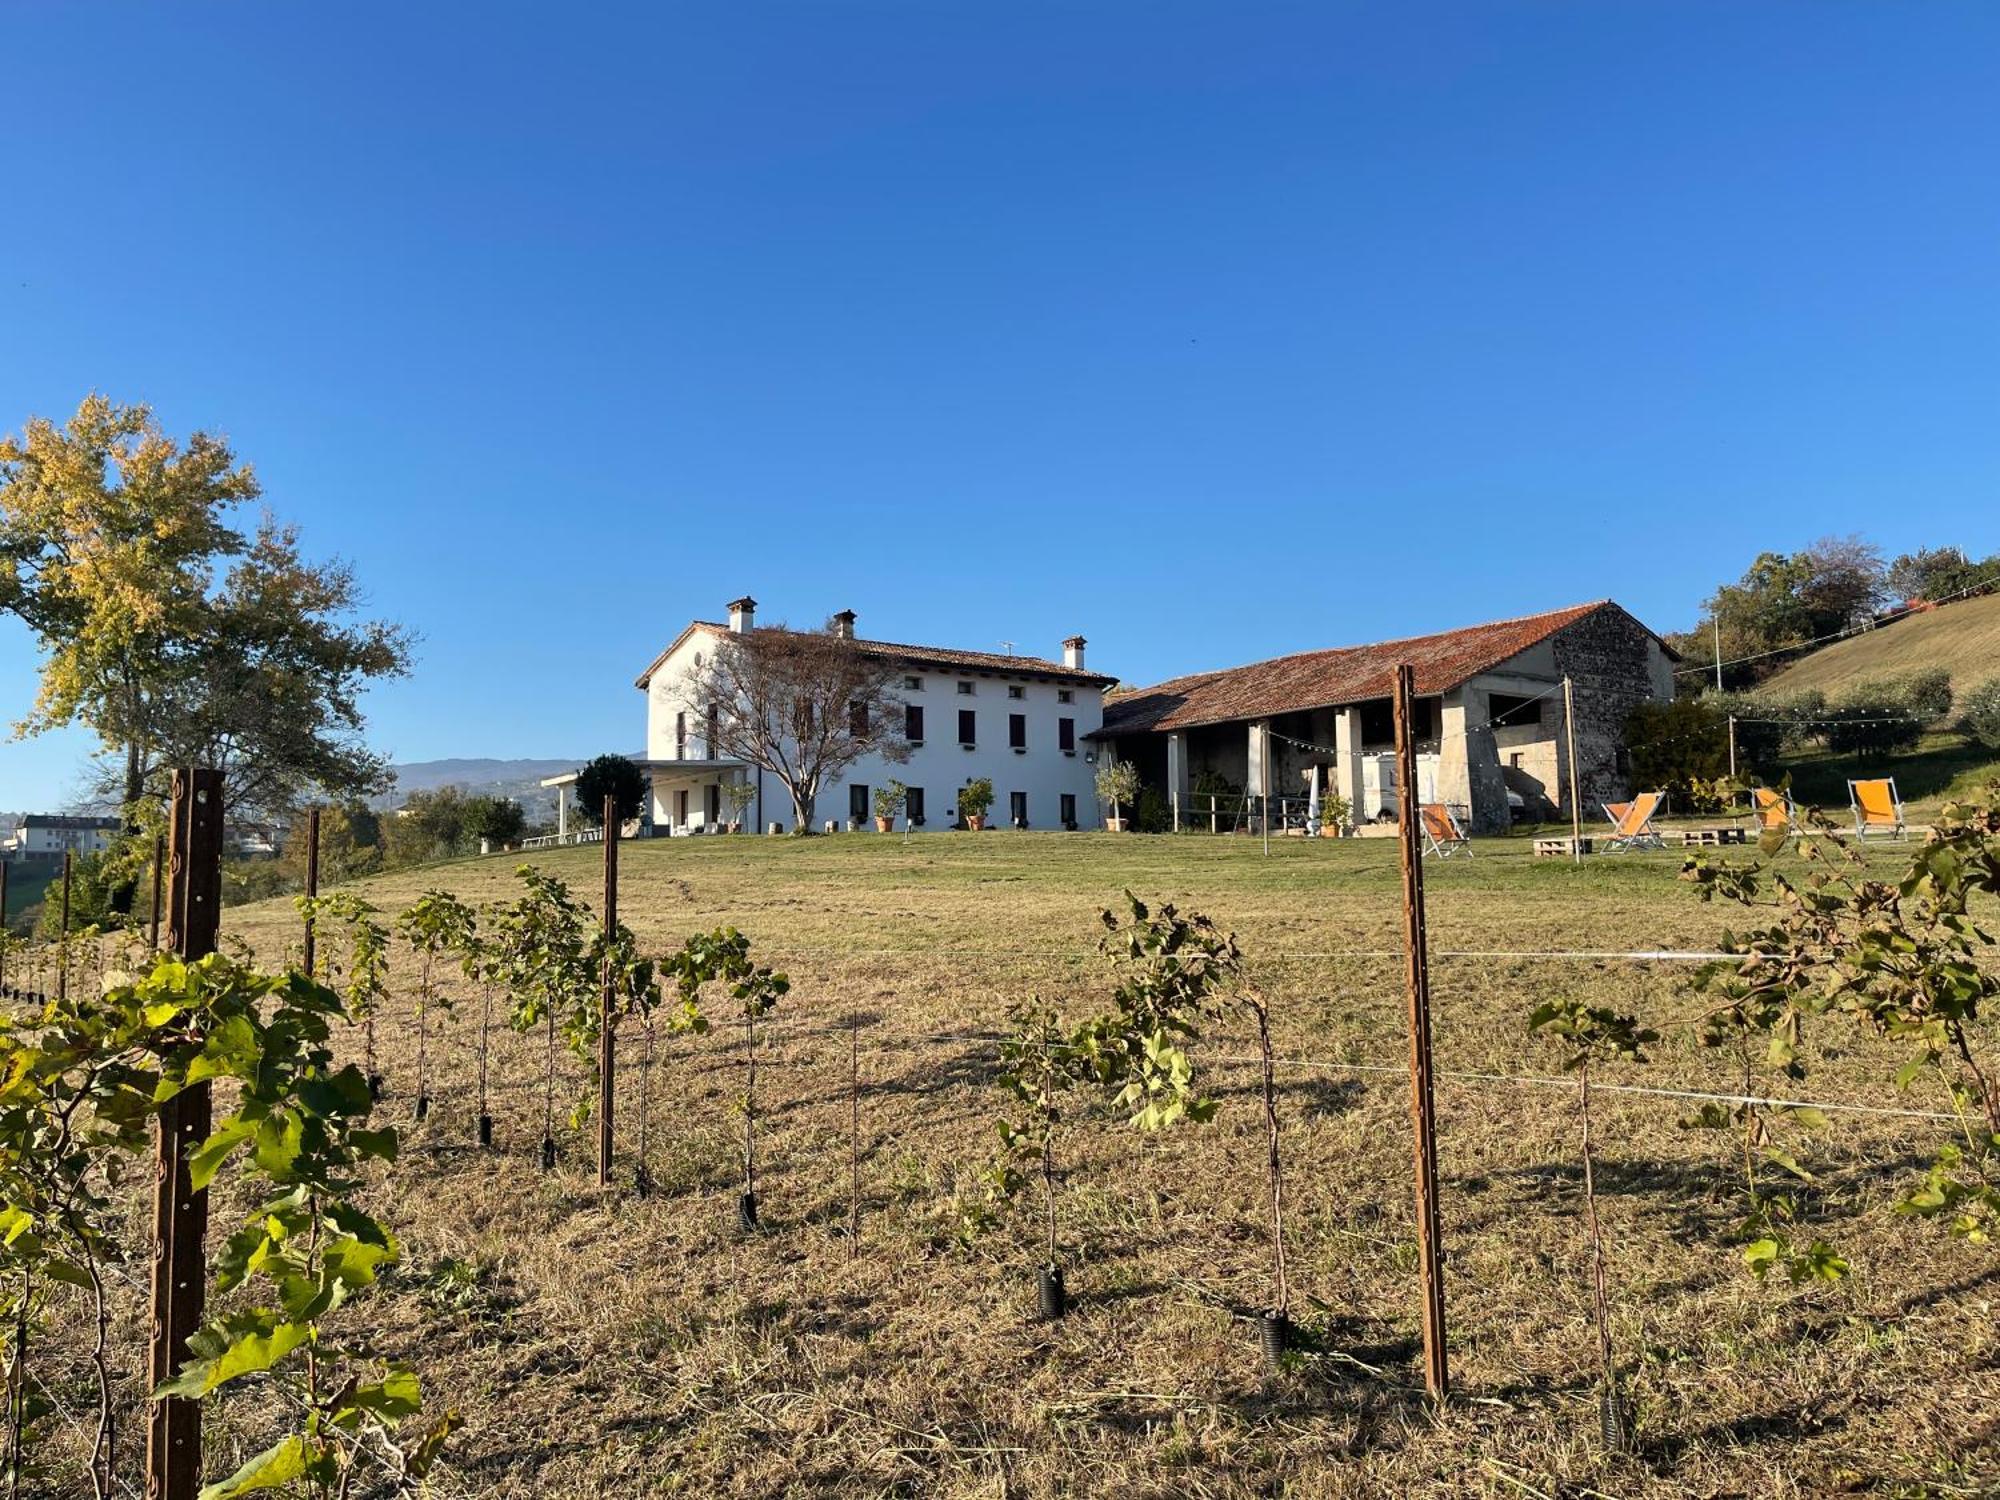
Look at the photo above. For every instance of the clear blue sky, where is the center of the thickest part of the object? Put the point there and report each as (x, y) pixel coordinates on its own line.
(1209, 331)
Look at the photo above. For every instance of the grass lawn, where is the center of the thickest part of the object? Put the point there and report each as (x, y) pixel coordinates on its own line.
(598, 1344)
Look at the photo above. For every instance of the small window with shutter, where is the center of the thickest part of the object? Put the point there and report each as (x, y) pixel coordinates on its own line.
(968, 727)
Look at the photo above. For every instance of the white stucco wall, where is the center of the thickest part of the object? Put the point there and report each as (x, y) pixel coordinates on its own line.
(939, 766)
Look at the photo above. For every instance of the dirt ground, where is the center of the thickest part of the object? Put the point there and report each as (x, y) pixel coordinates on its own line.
(602, 1344)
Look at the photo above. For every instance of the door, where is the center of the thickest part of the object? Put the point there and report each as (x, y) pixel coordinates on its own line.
(681, 809)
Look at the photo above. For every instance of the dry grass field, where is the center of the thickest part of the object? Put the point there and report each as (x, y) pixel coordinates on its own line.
(1963, 638)
(599, 1344)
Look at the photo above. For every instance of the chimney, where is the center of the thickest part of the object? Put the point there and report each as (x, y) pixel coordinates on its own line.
(742, 614)
(843, 624)
(1073, 652)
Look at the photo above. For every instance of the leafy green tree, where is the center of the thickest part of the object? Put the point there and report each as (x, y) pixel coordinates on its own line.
(1982, 713)
(1934, 573)
(498, 820)
(429, 825)
(1117, 784)
(611, 776)
(176, 637)
(350, 844)
(1590, 1035)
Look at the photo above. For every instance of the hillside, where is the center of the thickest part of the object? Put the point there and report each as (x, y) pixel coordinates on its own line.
(1963, 638)
(519, 779)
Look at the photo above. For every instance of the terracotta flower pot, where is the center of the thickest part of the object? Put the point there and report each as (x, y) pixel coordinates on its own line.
(975, 821)
(885, 825)
(1114, 825)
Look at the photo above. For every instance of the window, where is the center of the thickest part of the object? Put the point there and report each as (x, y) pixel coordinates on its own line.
(680, 736)
(965, 689)
(1066, 736)
(714, 804)
(681, 809)
(1017, 805)
(1064, 695)
(913, 805)
(1066, 804)
(1017, 731)
(968, 727)
(914, 684)
(913, 723)
(1016, 691)
(1504, 709)
(857, 719)
(857, 802)
(714, 732)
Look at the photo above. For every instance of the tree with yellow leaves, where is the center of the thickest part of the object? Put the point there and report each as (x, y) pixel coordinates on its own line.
(174, 635)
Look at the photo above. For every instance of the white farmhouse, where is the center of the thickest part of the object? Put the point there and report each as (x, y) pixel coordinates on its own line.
(1022, 721)
(49, 836)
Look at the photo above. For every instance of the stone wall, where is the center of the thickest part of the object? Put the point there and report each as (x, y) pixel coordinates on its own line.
(1615, 664)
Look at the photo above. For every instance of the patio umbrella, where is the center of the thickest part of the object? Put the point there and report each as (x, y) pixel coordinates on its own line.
(1312, 803)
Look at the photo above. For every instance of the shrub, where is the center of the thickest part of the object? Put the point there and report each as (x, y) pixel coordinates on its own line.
(1673, 745)
(1982, 713)
(1926, 694)
(1875, 719)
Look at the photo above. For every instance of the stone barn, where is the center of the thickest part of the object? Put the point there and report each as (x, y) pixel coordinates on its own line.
(1491, 740)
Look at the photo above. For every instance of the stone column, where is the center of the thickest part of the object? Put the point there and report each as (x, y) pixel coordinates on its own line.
(562, 810)
(1347, 760)
(1469, 761)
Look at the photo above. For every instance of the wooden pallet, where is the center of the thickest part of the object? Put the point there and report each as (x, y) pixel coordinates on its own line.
(1709, 838)
(1559, 848)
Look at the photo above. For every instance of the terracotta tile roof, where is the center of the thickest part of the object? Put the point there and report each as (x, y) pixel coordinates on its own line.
(947, 657)
(1324, 679)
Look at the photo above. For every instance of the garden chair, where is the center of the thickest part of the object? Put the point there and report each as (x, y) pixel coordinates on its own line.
(1443, 835)
(1773, 810)
(1632, 823)
(1878, 811)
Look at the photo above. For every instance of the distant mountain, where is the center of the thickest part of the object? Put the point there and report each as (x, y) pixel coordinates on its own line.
(519, 779)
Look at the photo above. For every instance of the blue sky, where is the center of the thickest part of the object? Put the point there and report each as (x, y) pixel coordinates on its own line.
(1210, 331)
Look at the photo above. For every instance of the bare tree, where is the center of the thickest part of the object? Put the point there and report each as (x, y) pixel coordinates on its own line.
(803, 705)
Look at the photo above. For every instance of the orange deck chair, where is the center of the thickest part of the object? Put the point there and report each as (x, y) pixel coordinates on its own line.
(1773, 810)
(1878, 811)
(1632, 822)
(1443, 836)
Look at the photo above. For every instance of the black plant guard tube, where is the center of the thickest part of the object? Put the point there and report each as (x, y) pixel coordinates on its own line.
(1274, 1332)
(746, 1213)
(548, 1153)
(1051, 1297)
(485, 1130)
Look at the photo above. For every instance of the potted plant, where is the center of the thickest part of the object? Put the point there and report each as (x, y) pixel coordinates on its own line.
(888, 803)
(739, 795)
(974, 798)
(1333, 813)
(1117, 784)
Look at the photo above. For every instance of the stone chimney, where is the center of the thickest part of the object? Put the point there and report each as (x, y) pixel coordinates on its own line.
(843, 624)
(742, 614)
(1073, 652)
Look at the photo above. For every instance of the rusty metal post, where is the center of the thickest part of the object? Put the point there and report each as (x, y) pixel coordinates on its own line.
(62, 942)
(312, 885)
(1416, 939)
(180, 1214)
(159, 876)
(607, 1021)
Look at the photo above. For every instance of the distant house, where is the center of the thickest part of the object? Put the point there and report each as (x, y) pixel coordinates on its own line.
(1023, 721)
(51, 835)
(1488, 716)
